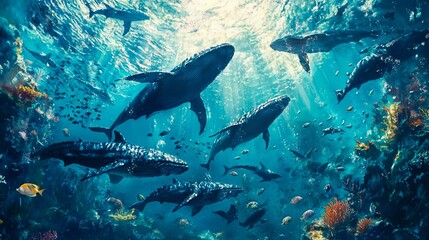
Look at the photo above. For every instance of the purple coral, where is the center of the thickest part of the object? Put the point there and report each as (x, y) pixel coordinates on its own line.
(49, 235)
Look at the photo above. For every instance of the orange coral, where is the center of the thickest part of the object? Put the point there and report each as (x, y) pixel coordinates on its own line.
(363, 225)
(29, 93)
(366, 150)
(336, 213)
(391, 122)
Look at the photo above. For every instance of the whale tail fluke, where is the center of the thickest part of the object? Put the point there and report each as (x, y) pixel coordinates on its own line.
(340, 95)
(91, 13)
(107, 131)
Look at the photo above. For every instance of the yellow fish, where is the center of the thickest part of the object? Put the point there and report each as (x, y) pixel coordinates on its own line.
(30, 190)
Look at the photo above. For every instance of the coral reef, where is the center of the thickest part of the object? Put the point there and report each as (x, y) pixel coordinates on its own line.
(122, 215)
(49, 235)
(367, 150)
(12, 67)
(363, 225)
(336, 214)
(391, 123)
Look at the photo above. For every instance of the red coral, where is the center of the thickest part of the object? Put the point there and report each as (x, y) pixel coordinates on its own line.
(336, 213)
(363, 225)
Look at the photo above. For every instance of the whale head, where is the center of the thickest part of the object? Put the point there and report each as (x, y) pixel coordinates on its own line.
(288, 44)
(202, 68)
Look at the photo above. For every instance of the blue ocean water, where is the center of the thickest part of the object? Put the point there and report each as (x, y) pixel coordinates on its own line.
(87, 55)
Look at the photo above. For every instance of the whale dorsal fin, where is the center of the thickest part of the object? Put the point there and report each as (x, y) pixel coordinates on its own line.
(118, 137)
(175, 181)
(149, 77)
(107, 6)
(262, 165)
(225, 129)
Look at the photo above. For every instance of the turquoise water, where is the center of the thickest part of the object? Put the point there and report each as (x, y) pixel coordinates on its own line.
(92, 51)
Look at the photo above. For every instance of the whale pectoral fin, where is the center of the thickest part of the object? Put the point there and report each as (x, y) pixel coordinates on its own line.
(196, 209)
(114, 179)
(197, 106)
(127, 26)
(186, 201)
(304, 61)
(148, 77)
(109, 167)
(266, 137)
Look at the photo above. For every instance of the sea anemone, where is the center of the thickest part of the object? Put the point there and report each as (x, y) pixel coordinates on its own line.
(363, 225)
(336, 213)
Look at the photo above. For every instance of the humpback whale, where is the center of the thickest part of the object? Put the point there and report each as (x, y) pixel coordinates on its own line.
(183, 84)
(119, 159)
(375, 65)
(249, 126)
(318, 42)
(195, 194)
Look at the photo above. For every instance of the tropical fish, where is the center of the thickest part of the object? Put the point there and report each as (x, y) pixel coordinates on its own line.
(286, 220)
(307, 214)
(116, 203)
(140, 197)
(252, 204)
(30, 190)
(296, 200)
(332, 130)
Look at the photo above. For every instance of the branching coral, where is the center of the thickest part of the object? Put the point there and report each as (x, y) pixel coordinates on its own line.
(336, 213)
(28, 93)
(123, 216)
(25, 94)
(391, 122)
(363, 225)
